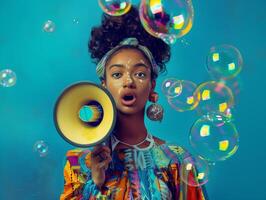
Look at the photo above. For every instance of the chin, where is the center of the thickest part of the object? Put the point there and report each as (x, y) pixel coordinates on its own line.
(129, 110)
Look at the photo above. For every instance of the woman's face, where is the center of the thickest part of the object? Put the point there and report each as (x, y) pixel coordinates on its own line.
(128, 78)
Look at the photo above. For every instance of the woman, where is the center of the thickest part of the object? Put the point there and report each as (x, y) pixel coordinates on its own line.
(136, 165)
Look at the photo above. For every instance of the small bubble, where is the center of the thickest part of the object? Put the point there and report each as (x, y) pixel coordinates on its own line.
(224, 61)
(49, 26)
(41, 148)
(8, 78)
(115, 7)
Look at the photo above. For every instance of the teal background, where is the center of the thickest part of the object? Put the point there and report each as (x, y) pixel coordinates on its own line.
(45, 63)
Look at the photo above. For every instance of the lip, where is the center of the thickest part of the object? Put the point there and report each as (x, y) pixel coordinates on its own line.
(130, 102)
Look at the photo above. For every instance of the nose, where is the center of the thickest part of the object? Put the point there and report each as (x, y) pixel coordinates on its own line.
(128, 82)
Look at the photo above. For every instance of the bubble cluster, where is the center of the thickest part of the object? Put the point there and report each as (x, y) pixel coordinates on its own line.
(115, 7)
(194, 171)
(49, 26)
(41, 148)
(8, 78)
(214, 97)
(224, 61)
(214, 137)
(167, 19)
(187, 99)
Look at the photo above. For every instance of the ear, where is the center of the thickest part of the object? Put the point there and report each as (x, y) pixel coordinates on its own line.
(153, 96)
(104, 83)
(153, 85)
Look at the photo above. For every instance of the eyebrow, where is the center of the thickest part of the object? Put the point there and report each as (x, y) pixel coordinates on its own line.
(136, 65)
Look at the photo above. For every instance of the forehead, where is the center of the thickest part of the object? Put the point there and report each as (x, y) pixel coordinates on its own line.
(125, 55)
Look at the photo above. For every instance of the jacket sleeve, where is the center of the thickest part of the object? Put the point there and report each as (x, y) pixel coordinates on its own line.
(78, 183)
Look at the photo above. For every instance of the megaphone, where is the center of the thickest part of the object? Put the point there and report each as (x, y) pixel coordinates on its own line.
(85, 114)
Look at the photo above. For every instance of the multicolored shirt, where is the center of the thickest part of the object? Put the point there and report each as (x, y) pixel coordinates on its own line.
(132, 174)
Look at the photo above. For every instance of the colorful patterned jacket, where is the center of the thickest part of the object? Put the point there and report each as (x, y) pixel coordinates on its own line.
(133, 174)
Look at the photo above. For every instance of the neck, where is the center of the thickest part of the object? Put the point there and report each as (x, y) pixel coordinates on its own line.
(131, 128)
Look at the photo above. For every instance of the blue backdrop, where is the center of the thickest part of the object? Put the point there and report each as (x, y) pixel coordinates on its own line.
(45, 63)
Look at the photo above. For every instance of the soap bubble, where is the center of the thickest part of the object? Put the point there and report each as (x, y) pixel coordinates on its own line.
(8, 78)
(167, 19)
(41, 148)
(49, 26)
(214, 137)
(187, 99)
(194, 171)
(214, 97)
(224, 61)
(115, 7)
(171, 87)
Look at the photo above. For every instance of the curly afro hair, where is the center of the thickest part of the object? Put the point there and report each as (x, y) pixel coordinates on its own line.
(115, 29)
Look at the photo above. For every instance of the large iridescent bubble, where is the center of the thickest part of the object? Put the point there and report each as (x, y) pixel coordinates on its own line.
(214, 97)
(167, 19)
(214, 137)
(187, 99)
(224, 61)
(194, 171)
(8, 78)
(115, 7)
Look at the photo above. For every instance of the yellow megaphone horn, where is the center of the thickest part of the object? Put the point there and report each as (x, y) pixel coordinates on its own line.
(85, 114)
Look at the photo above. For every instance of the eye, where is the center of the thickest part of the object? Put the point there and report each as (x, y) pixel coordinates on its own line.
(116, 75)
(141, 74)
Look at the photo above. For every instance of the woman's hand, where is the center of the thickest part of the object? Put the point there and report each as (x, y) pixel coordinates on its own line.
(100, 159)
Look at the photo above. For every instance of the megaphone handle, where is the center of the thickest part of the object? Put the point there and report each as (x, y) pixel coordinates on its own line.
(99, 154)
(110, 147)
(111, 153)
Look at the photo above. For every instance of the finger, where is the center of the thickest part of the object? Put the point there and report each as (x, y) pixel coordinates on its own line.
(101, 157)
(104, 154)
(96, 150)
(101, 145)
(106, 157)
(101, 149)
(104, 164)
(96, 159)
(107, 160)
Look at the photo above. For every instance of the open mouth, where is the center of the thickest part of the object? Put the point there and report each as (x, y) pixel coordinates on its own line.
(128, 97)
(128, 100)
